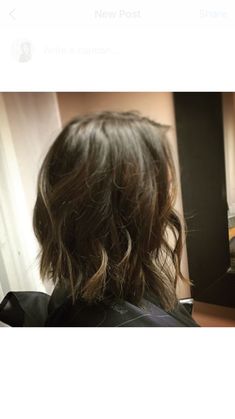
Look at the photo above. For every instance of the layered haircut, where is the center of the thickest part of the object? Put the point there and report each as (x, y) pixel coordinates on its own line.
(104, 214)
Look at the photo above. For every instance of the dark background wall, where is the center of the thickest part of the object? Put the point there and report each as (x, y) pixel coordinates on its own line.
(199, 125)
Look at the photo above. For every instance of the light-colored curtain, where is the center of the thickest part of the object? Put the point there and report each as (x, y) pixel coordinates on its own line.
(29, 123)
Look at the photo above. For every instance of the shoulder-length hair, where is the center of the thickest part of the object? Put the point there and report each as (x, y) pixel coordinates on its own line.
(104, 211)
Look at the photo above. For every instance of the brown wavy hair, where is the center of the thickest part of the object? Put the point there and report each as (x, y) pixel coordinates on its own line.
(104, 211)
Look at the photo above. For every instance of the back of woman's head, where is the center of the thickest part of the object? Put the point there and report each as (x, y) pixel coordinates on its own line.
(104, 210)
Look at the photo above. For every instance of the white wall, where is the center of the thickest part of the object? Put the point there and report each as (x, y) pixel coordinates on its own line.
(29, 122)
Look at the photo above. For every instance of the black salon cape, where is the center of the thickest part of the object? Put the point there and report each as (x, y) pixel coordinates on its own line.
(37, 309)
